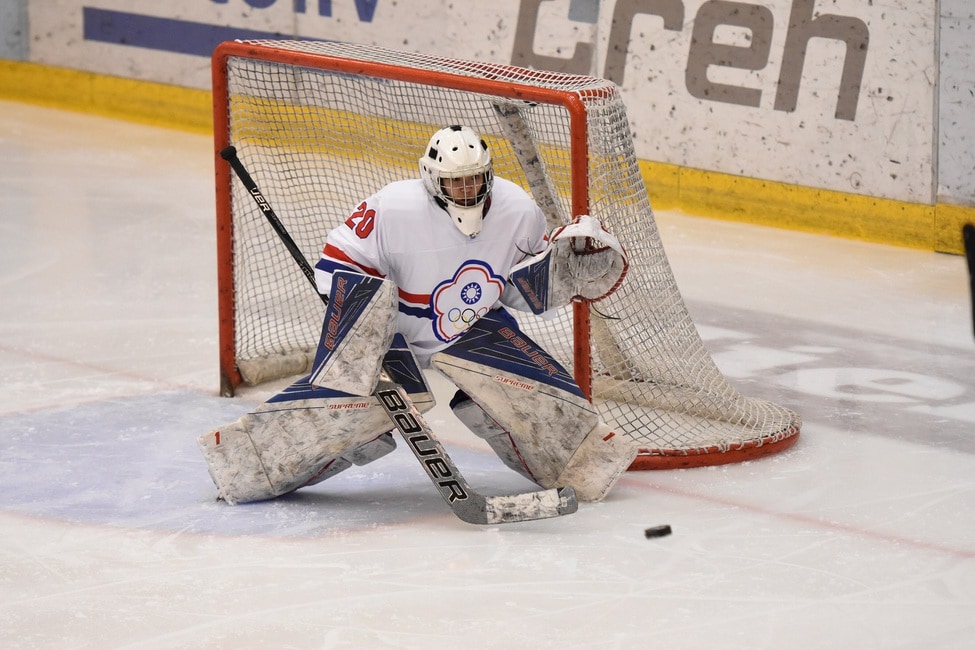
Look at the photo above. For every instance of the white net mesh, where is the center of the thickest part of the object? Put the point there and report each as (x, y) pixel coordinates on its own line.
(321, 125)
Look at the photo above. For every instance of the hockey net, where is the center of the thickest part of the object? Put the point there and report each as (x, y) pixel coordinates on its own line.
(322, 125)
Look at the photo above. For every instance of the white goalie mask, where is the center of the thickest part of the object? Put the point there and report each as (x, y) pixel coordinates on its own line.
(456, 170)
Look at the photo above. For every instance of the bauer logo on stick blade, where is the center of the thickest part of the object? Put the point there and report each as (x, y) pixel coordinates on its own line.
(657, 531)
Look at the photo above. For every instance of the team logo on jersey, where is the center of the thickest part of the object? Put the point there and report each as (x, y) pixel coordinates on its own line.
(471, 294)
(467, 296)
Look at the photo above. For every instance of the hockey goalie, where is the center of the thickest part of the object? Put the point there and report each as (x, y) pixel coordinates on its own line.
(421, 275)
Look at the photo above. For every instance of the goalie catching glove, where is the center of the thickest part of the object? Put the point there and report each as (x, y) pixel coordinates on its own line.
(582, 261)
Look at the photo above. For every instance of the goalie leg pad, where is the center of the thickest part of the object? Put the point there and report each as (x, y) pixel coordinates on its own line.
(483, 426)
(361, 455)
(553, 430)
(289, 442)
(235, 465)
(359, 325)
(597, 463)
(401, 365)
(372, 450)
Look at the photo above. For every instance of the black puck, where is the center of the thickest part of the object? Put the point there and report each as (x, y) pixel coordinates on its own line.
(657, 531)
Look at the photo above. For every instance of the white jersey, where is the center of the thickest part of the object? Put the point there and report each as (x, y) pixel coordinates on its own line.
(445, 279)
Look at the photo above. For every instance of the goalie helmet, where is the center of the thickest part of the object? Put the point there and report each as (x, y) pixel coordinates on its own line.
(456, 170)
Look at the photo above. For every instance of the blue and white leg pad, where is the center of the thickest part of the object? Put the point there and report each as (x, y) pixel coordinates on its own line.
(359, 325)
(289, 441)
(548, 429)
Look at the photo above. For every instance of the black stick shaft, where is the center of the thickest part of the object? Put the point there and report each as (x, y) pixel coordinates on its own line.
(230, 155)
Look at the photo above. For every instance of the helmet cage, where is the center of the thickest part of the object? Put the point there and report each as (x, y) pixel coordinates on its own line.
(457, 172)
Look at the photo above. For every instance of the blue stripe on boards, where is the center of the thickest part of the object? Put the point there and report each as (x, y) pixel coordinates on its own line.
(166, 34)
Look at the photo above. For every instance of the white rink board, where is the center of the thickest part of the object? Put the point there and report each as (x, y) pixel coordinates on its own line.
(956, 151)
(885, 151)
(886, 148)
(58, 37)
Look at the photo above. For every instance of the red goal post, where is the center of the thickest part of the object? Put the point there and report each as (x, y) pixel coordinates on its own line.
(321, 125)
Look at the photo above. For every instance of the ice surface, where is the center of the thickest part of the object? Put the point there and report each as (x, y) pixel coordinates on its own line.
(861, 536)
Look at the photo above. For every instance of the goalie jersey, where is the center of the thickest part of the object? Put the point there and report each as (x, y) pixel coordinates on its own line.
(445, 279)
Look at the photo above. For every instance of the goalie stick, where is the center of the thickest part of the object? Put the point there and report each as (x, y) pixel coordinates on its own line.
(467, 504)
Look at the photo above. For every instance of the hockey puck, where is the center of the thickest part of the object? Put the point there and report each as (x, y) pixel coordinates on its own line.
(657, 531)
